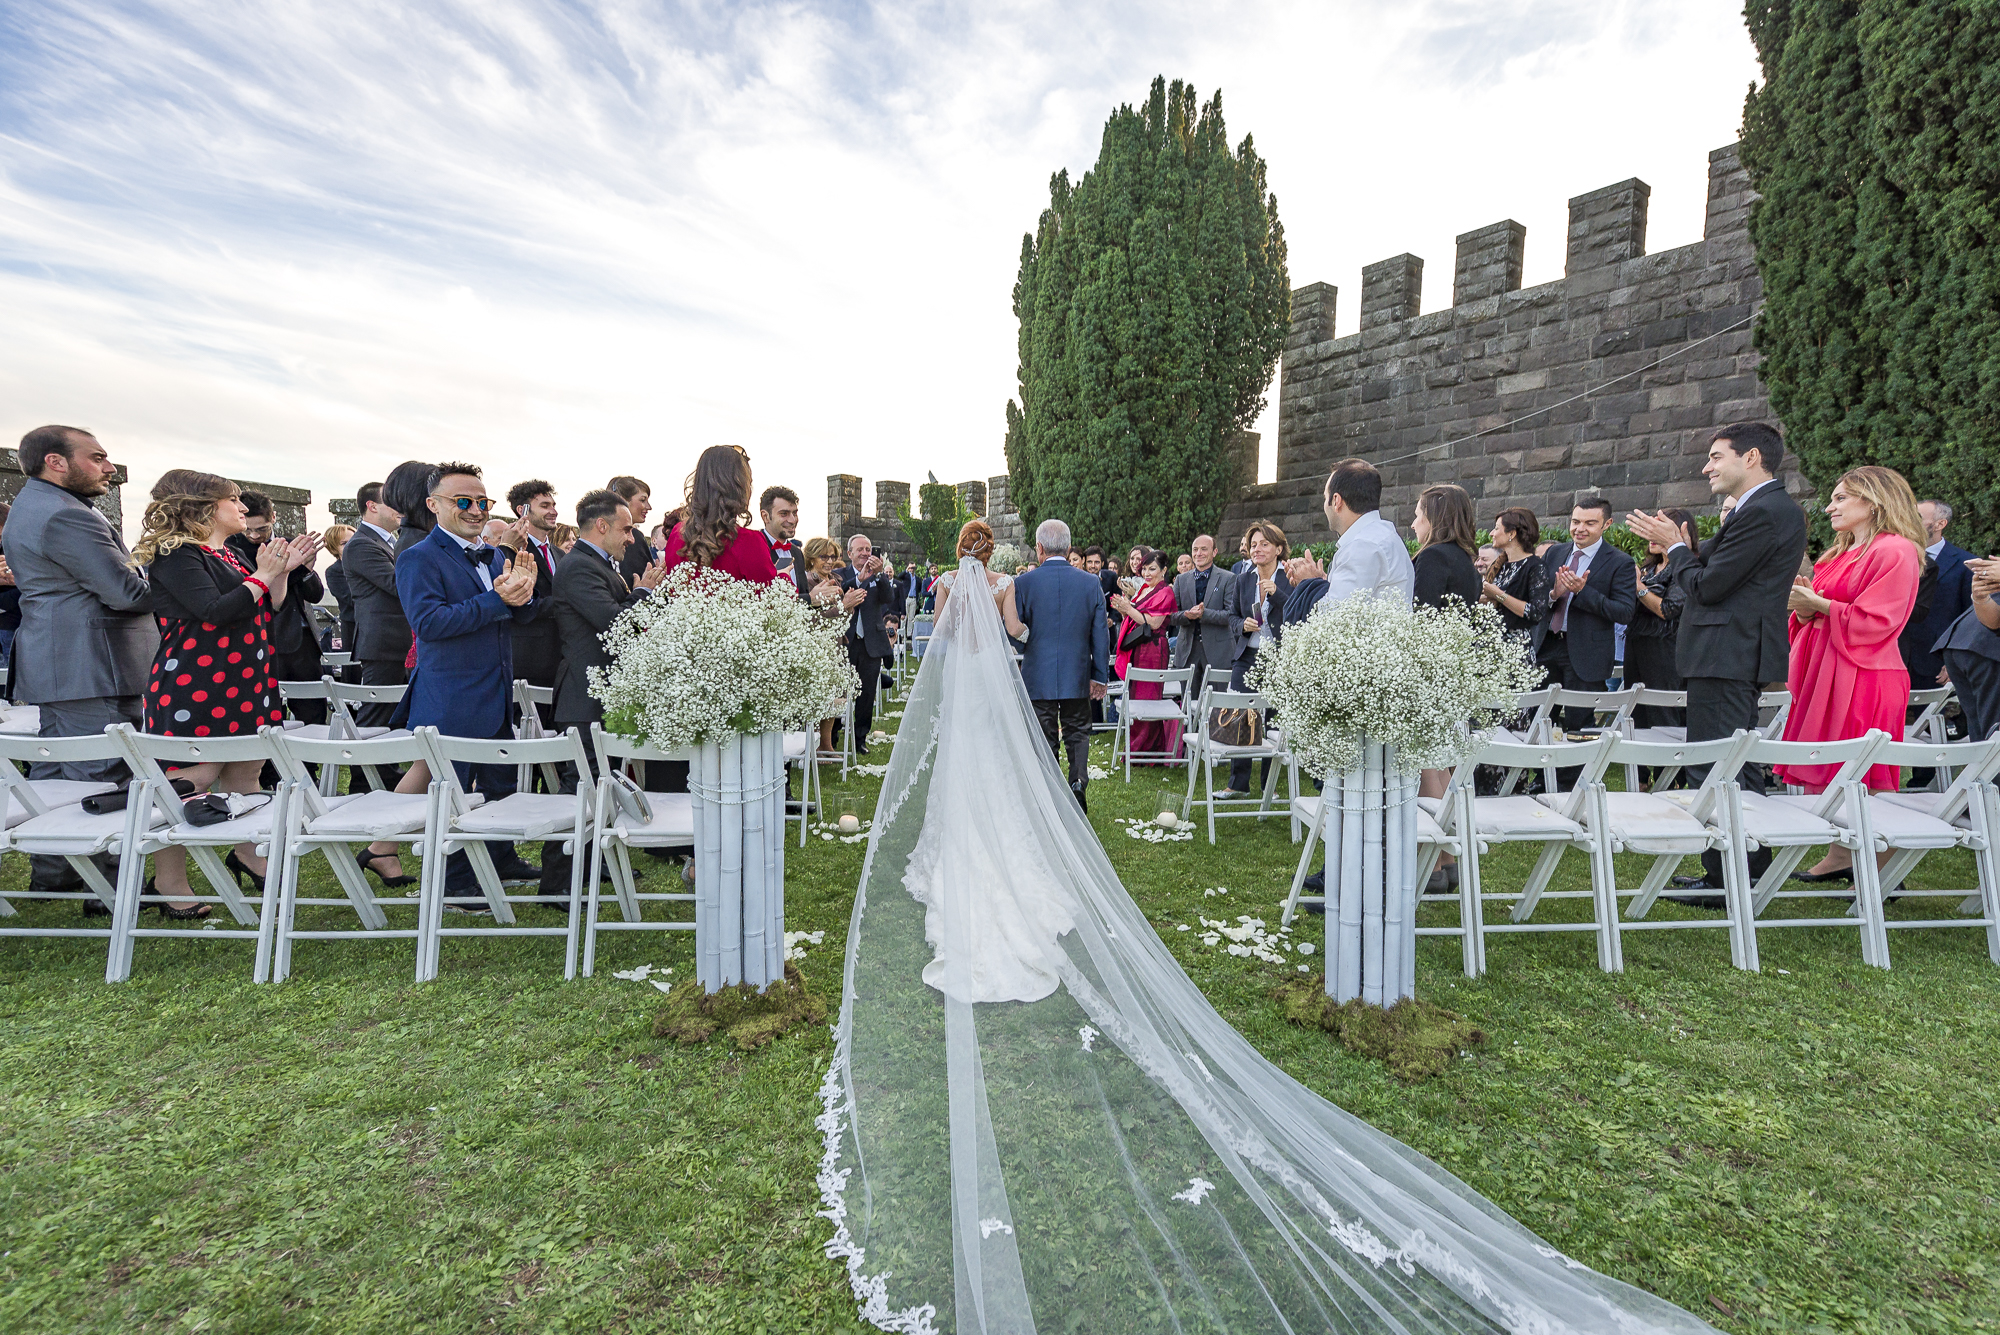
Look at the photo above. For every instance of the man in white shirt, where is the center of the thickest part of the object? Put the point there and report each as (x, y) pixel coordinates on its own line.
(1370, 554)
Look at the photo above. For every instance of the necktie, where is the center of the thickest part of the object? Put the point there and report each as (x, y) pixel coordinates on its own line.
(1559, 621)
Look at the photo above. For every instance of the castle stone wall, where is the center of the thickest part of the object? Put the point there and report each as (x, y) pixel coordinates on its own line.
(1410, 382)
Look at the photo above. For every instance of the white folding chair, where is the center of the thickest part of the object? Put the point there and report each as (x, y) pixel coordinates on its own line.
(800, 751)
(341, 697)
(336, 661)
(1965, 815)
(332, 826)
(1532, 710)
(1205, 753)
(204, 844)
(51, 807)
(1554, 820)
(1790, 826)
(527, 701)
(1114, 700)
(19, 720)
(1314, 812)
(666, 820)
(1618, 704)
(1669, 827)
(1928, 725)
(516, 818)
(1169, 708)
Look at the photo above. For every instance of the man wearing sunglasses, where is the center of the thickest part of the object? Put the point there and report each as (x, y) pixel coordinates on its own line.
(463, 598)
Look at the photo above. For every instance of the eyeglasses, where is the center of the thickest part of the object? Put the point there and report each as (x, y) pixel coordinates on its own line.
(466, 504)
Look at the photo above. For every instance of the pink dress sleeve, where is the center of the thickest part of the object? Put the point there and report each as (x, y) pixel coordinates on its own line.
(1864, 628)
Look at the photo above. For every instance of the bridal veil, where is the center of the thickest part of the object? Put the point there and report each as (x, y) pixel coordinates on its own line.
(1111, 1155)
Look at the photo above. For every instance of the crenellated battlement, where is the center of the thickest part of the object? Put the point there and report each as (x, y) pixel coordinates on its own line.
(1529, 396)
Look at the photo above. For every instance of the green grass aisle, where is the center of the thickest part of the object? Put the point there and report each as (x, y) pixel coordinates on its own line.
(1813, 1148)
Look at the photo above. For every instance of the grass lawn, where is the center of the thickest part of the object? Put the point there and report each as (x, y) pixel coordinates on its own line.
(1812, 1148)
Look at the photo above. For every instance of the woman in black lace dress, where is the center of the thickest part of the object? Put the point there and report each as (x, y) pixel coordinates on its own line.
(1519, 589)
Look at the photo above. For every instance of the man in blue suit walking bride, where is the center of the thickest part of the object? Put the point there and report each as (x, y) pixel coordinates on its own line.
(463, 597)
(1067, 659)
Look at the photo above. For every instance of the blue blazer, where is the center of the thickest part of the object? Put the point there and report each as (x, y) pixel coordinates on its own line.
(464, 682)
(1068, 643)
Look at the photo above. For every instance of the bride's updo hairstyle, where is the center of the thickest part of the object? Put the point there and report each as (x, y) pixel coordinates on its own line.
(976, 541)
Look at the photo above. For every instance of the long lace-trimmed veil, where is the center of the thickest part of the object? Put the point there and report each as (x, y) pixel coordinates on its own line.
(1112, 1155)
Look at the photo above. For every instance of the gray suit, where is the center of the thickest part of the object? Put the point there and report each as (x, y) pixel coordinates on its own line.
(87, 629)
(1220, 633)
(87, 640)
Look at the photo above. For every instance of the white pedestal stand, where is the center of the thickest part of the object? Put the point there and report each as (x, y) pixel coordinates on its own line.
(738, 787)
(1371, 890)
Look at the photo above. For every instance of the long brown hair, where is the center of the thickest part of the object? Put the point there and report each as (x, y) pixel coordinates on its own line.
(1448, 510)
(1681, 520)
(182, 511)
(718, 503)
(1519, 521)
(1892, 507)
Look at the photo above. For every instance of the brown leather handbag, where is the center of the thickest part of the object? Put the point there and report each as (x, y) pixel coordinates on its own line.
(1236, 727)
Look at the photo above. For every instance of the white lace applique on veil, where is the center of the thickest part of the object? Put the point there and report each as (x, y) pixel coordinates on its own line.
(1035, 1120)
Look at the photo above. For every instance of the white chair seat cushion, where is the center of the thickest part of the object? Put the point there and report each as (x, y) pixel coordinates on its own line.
(323, 732)
(672, 823)
(1924, 804)
(373, 815)
(1667, 735)
(1513, 818)
(53, 793)
(1773, 820)
(23, 722)
(71, 829)
(1154, 711)
(1902, 826)
(1645, 823)
(521, 816)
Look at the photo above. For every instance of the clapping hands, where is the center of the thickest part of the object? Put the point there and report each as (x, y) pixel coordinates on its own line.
(650, 577)
(517, 584)
(1804, 603)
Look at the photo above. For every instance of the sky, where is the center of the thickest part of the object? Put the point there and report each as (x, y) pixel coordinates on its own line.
(299, 243)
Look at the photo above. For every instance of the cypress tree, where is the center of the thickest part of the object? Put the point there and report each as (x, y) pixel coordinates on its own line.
(1875, 143)
(1153, 303)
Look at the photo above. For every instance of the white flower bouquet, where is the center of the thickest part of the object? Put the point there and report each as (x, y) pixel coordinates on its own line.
(1007, 559)
(709, 655)
(1425, 681)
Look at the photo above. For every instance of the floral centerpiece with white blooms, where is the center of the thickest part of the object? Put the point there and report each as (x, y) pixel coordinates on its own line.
(710, 655)
(1426, 681)
(1369, 692)
(721, 669)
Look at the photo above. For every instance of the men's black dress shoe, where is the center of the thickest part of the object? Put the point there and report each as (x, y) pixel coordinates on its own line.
(1713, 903)
(515, 870)
(94, 908)
(860, 750)
(1693, 883)
(1077, 789)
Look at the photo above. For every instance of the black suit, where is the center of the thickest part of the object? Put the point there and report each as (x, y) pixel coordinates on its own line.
(336, 584)
(538, 652)
(1579, 657)
(793, 568)
(1972, 652)
(589, 594)
(1265, 612)
(638, 555)
(868, 642)
(1733, 636)
(381, 634)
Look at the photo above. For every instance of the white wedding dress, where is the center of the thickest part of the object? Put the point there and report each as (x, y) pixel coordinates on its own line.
(1035, 1121)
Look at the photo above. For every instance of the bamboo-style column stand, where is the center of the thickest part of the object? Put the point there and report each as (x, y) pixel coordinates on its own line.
(738, 787)
(1371, 890)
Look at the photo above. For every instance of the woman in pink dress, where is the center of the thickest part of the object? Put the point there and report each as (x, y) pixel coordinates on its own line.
(1147, 613)
(1847, 675)
(716, 528)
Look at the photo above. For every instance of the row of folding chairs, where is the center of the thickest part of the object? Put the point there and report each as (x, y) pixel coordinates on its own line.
(596, 825)
(1716, 815)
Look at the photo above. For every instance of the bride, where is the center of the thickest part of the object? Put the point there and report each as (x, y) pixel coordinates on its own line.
(1035, 1121)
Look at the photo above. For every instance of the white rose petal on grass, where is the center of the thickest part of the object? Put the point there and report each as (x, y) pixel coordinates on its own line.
(1088, 1035)
(638, 974)
(796, 943)
(661, 984)
(1197, 1188)
(1305, 947)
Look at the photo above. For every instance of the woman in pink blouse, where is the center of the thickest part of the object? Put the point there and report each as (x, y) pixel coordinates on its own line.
(1847, 675)
(716, 529)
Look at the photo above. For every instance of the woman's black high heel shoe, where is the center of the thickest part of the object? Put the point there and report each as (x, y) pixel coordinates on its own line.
(166, 910)
(368, 861)
(241, 871)
(1844, 874)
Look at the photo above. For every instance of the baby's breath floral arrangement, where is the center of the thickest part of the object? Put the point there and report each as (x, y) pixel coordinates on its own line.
(1007, 559)
(708, 655)
(1426, 681)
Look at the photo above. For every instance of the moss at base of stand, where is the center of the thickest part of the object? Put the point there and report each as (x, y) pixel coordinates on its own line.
(1414, 1039)
(741, 1014)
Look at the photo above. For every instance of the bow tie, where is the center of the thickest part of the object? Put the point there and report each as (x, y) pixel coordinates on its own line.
(478, 555)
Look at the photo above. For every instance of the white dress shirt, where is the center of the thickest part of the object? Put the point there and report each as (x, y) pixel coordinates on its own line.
(387, 536)
(479, 569)
(1371, 555)
(1579, 561)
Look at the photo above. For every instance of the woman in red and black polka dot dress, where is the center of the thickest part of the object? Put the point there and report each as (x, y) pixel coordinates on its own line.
(213, 675)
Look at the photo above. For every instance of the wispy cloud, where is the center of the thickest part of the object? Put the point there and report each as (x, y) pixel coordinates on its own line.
(305, 241)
